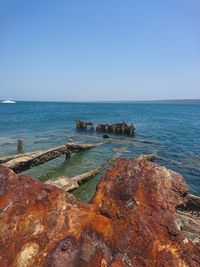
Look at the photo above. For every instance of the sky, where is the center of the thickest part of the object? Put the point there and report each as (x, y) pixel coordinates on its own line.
(108, 50)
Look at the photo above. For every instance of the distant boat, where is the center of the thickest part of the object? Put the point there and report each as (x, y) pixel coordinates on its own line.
(8, 101)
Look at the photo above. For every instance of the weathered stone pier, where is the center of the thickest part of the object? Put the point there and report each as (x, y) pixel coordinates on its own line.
(115, 128)
(84, 125)
(22, 162)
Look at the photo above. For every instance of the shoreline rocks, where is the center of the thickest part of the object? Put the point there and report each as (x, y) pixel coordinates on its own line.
(131, 221)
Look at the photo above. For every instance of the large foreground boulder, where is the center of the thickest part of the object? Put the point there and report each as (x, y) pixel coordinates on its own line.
(131, 221)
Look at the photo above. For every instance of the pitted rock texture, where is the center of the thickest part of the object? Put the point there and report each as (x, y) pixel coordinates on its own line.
(130, 221)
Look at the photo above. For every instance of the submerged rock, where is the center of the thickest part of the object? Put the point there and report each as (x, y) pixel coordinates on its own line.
(131, 221)
(69, 184)
(105, 136)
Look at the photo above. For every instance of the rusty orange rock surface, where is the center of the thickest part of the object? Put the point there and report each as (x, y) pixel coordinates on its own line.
(130, 221)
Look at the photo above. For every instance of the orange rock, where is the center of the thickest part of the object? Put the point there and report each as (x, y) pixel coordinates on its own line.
(130, 221)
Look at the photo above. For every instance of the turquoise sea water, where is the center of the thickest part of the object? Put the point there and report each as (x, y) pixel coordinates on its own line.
(170, 130)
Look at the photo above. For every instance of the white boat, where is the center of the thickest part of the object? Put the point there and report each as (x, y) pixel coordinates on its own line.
(8, 101)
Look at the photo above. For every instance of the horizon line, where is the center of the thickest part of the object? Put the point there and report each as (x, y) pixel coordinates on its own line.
(111, 101)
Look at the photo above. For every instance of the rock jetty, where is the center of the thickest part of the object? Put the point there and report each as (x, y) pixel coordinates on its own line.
(131, 221)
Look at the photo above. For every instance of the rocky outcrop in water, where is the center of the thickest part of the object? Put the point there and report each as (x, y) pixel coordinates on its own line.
(83, 125)
(116, 128)
(131, 221)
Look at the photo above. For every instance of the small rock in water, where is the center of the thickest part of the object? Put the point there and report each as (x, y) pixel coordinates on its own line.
(121, 150)
(105, 136)
(70, 140)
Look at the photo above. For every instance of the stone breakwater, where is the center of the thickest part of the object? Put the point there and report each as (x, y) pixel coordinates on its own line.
(131, 221)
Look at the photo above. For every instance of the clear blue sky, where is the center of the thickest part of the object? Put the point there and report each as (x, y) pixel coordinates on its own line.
(99, 50)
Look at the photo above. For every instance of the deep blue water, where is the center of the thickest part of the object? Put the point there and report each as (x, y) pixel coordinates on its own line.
(170, 130)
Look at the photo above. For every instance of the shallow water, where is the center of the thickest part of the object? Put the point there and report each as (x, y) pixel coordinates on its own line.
(170, 130)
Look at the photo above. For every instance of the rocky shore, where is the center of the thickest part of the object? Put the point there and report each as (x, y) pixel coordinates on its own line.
(141, 215)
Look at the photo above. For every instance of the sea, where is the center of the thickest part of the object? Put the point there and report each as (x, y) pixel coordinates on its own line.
(170, 129)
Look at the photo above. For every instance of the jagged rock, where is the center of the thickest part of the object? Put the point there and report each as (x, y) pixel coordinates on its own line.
(131, 221)
(188, 218)
(190, 226)
(192, 205)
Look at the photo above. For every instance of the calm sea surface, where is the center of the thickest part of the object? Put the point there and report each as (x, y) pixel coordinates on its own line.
(170, 130)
